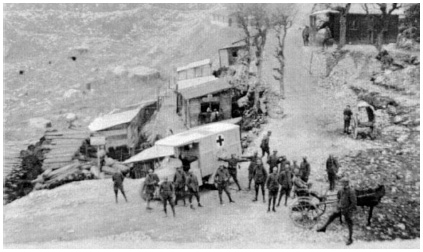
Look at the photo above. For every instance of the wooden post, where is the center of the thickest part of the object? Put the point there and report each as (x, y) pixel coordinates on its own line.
(98, 157)
(188, 116)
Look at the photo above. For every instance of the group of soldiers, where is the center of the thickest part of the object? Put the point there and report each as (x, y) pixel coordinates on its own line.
(283, 178)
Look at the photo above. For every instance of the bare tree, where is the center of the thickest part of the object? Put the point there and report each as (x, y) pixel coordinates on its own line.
(255, 21)
(383, 22)
(343, 12)
(281, 22)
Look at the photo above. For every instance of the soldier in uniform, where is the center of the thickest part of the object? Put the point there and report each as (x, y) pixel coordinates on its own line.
(273, 187)
(265, 144)
(193, 189)
(347, 119)
(347, 203)
(305, 169)
(285, 180)
(151, 182)
(186, 161)
(253, 161)
(118, 184)
(273, 161)
(167, 192)
(179, 181)
(232, 165)
(332, 167)
(222, 179)
(295, 166)
(260, 176)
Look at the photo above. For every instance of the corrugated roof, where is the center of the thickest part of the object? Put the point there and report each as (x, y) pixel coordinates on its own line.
(323, 12)
(111, 120)
(239, 45)
(196, 134)
(182, 84)
(205, 88)
(194, 64)
(373, 9)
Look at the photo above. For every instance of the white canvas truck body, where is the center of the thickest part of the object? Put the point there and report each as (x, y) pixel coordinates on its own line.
(207, 143)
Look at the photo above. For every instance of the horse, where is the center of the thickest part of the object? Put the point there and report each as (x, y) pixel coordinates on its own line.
(369, 197)
(306, 35)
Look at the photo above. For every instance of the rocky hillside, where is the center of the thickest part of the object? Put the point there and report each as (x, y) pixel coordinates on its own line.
(78, 58)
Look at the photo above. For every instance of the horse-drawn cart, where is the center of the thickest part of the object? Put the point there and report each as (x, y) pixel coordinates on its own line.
(307, 208)
(363, 122)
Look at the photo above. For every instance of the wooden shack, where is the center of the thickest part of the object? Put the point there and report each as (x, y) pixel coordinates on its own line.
(124, 126)
(196, 95)
(195, 70)
(229, 55)
(362, 28)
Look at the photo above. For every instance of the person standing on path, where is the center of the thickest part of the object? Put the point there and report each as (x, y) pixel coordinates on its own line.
(151, 182)
(179, 181)
(295, 167)
(285, 180)
(167, 192)
(347, 119)
(332, 167)
(186, 161)
(253, 162)
(118, 184)
(265, 144)
(305, 169)
(193, 189)
(273, 188)
(260, 176)
(273, 161)
(347, 203)
(232, 165)
(222, 179)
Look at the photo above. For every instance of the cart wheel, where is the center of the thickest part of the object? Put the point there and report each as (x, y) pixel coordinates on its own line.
(304, 213)
(320, 206)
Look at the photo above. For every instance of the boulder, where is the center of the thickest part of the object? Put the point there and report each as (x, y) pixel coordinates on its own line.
(143, 73)
(39, 123)
(399, 119)
(72, 93)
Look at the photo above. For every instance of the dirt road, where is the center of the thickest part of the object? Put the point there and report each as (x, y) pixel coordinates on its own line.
(84, 215)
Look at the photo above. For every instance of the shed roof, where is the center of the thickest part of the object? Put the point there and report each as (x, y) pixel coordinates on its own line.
(111, 120)
(196, 134)
(204, 88)
(182, 84)
(373, 9)
(194, 64)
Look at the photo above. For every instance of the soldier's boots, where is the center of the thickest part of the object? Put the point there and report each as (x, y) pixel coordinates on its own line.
(349, 242)
(199, 205)
(274, 210)
(192, 207)
(173, 210)
(255, 199)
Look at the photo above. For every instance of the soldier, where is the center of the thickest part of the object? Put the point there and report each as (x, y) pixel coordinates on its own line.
(273, 161)
(151, 181)
(273, 187)
(265, 144)
(347, 203)
(179, 181)
(285, 180)
(332, 167)
(253, 161)
(295, 167)
(186, 161)
(232, 165)
(118, 184)
(347, 119)
(260, 176)
(193, 189)
(167, 191)
(222, 179)
(305, 169)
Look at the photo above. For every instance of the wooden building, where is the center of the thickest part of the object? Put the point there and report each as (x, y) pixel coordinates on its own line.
(196, 95)
(124, 126)
(362, 28)
(229, 55)
(195, 70)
